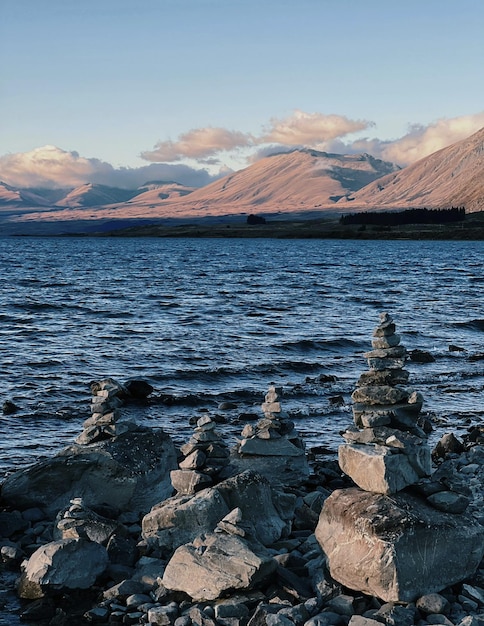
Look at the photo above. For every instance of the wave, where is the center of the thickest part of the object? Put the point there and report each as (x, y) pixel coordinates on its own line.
(306, 345)
(477, 324)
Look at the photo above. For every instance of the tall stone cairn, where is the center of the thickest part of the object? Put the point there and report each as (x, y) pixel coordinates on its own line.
(386, 537)
(387, 450)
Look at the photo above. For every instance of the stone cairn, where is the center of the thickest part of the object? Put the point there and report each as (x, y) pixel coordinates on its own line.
(383, 538)
(106, 420)
(387, 450)
(273, 446)
(205, 456)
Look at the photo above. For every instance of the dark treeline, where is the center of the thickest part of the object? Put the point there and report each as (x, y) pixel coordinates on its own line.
(410, 216)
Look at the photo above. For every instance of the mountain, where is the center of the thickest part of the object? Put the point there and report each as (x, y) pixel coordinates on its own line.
(453, 176)
(11, 197)
(90, 195)
(301, 180)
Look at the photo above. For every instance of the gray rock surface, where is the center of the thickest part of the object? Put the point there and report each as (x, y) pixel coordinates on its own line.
(129, 472)
(67, 563)
(396, 548)
(216, 563)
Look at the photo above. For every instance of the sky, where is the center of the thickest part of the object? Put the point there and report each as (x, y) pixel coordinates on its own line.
(120, 92)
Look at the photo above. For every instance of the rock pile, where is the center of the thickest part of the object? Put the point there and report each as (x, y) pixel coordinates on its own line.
(273, 446)
(389, 452)
(205, 456)
(106, 418)
(396, 548)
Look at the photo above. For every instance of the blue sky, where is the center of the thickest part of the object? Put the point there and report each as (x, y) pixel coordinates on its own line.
(172, 87)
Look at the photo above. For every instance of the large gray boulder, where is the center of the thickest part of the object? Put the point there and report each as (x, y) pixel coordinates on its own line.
(128, 472)
(180, 519)
(397, 548)
(216, 563)
(67, 563)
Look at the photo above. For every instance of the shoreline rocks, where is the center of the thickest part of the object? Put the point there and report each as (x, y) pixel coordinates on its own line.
(246, 549)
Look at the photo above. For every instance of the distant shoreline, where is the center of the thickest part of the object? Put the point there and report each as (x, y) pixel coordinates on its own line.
(472, 228)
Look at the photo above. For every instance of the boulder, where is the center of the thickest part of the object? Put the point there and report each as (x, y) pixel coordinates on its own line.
(67, 563)
(180, 519)
(384, 469)
(128, 472)
(214, 564)
(396, 548)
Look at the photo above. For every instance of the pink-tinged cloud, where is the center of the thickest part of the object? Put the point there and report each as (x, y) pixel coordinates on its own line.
(53, 167)
(198, 143)
(419, 142)
(310, 129)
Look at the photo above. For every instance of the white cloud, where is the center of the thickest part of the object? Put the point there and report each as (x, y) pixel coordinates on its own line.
(419, 142)
(198, 143)
(311, 129)
(50, 166)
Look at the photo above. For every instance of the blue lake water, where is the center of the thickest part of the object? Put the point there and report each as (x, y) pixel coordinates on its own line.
(208, 321)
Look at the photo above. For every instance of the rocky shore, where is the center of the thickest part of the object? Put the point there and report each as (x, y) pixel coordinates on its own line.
(122, 527)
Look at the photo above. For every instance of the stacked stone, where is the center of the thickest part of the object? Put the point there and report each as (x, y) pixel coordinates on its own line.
(106, 420)
(205, 456)
(387, 450)
(274, 434)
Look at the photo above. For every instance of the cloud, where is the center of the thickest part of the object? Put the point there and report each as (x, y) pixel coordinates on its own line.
(311, 129)
(419, 142)
(53, 167)
(198, 143)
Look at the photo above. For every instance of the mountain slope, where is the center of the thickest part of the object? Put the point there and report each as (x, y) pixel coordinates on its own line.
(453, 176)
(290, 181)
(89, 195)
(9, 196)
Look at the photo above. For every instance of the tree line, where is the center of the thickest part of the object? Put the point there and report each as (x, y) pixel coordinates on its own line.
(409, 216)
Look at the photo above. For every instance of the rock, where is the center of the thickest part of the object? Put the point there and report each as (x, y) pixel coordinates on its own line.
(179, 520)
(421, 356)
(448, 443)
(138, 388)
(396, 548)
(214, 564)
(377, 468)
(187, 481)
(9, 407)
(129, 472)
(11, 522)
(380, 394)
(449, 501)
(433, 603)
(67, 563)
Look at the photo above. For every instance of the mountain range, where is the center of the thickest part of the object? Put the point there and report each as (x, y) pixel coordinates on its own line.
(303, 182)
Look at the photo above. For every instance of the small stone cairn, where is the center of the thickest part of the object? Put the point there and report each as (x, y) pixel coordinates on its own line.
(106, 420)
(387, 450)
(273, 446)
(205, 456)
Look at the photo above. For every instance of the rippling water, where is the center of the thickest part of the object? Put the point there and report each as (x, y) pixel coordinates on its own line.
(210, 321)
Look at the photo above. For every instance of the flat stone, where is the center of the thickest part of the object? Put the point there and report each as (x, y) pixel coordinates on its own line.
(384, 377)
(186, 481)
(396, 548)
(377, 468)
(194, 460)
(380, 394)
(269, 447)
(396, 352)
(386, 363)
(386, 341)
